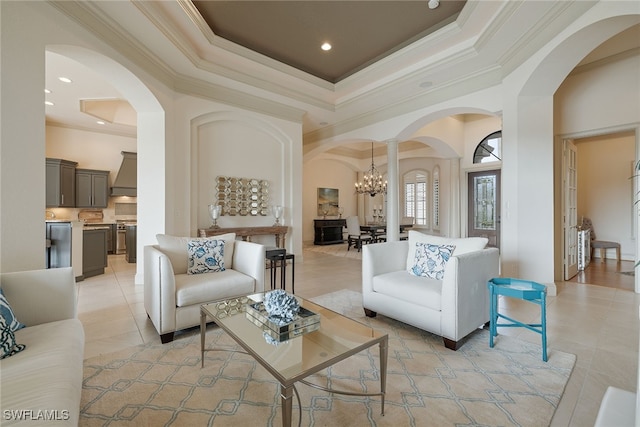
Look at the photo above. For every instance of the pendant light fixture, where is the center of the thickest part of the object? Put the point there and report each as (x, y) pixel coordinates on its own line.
(373, 183)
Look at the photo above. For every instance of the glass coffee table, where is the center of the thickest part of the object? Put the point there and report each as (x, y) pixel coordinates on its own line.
(305, 352)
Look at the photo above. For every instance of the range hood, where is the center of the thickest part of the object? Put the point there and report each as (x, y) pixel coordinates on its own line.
(127, 179)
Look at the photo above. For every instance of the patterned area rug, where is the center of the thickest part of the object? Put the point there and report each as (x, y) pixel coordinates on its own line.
(335, 250)
(427, 385)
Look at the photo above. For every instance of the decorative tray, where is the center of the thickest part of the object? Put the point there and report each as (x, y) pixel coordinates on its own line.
(284, 336)
(303, 319)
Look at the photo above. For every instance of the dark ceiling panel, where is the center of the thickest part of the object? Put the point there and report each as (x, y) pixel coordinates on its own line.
(291, 32)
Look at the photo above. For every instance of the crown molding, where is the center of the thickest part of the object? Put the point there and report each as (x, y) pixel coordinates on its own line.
(110, 32)
(630, 53)
(202, 89)
(556, 18)
(481, 79)
(129, 134)
(92, 19)
(214, 40)
(168, 28)
(411, 79)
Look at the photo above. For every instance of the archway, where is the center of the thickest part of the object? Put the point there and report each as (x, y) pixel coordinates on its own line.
(150, 138)
(533, 179)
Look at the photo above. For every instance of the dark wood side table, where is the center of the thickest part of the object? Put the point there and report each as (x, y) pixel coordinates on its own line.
(328, 231)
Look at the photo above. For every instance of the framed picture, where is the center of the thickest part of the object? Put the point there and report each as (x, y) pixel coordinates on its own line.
(328, 201)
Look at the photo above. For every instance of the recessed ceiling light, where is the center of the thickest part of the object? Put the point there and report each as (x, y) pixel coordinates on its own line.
(48, 103)
(64, 79)
(100, 122)
(326, 46)
(433, 4)
(47, 91)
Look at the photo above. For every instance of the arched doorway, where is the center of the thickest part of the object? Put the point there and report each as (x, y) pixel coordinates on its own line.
(150, 141)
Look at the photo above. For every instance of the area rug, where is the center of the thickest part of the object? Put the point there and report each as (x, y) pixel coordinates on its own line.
(427, 384)
(335, 250)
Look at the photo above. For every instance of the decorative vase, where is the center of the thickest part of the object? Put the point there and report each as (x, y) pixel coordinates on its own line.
(277, 213)
(214, 213)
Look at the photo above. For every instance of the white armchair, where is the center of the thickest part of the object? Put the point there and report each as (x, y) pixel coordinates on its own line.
(452, 307)
(172, 298)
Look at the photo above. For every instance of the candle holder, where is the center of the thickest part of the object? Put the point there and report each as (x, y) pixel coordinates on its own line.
(214, 213)
(325, 210)
(277, 213)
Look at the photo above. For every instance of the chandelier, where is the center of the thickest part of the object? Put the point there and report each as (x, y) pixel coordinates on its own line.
(373, 182)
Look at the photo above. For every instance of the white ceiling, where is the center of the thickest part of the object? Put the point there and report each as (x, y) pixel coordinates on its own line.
(85, 85)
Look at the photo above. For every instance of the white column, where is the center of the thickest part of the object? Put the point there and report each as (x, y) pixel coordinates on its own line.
(393, 204)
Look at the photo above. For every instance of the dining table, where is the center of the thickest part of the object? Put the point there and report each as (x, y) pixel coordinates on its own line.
(378, 229)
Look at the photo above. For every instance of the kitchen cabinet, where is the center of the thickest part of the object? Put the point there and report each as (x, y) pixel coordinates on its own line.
(94, 251)
(60, 183)
(59, 254)
(111, 234)
(92, 188)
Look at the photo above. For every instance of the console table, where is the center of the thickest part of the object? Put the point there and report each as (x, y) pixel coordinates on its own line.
(246, 233)
(328, 231)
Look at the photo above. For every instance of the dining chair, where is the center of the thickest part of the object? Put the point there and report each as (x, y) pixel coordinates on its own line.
(356, 237)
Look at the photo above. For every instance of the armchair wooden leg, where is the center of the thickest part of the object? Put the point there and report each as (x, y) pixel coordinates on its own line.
(166, 338)
(451, 344)
(370, 313)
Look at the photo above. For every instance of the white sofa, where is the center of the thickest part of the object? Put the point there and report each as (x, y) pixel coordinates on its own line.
(452, 307)
(43, 382)
(172, 298)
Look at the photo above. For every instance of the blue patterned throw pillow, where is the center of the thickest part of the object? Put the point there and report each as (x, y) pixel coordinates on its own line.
(7, 314)
(431, 260)
(8, 346)
(205, 256)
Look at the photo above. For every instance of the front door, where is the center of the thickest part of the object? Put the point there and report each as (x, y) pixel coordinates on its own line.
(484, 206)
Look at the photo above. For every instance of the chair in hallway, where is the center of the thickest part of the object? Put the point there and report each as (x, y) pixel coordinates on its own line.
(356, 237)
(603, 245)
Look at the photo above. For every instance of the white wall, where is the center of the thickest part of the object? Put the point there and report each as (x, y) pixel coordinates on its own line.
(215, 139)
(327, 173)
(599, 97)
(605, 191)
(22, 171)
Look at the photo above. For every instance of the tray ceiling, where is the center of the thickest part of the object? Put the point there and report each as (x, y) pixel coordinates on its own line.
(361, 32)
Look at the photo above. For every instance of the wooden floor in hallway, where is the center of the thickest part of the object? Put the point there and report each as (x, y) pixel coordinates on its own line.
(610, 273)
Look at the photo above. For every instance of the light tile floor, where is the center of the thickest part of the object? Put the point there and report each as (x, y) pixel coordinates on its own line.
(600, 325)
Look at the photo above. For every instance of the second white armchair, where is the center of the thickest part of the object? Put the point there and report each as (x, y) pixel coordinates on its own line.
(452, 306)
(172, 297)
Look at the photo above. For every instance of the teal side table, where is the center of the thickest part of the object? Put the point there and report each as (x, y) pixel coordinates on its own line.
(524, 290)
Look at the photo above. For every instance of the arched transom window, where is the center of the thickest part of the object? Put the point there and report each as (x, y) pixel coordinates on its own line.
(489, 149)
